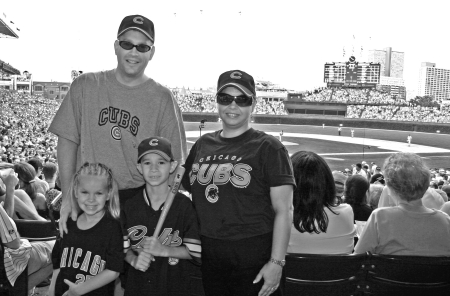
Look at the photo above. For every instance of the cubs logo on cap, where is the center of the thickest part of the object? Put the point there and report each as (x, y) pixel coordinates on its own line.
(238, 79)
(157, 145)
(137, 22)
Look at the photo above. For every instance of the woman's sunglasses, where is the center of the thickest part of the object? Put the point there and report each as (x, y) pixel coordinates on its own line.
(129, 46)
(241, 101)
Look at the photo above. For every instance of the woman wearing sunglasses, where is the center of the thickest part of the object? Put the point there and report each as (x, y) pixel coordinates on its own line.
(241, 182)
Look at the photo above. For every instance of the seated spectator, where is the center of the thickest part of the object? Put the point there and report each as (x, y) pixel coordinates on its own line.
(377, 170)
(410, 228)
(443, 194)
(20, 253)
(431, 199)
(374, 195)
(43, 186)
(320, 225)
(366, 169)
(347, 172)
(446, 208)
(27, 183)
(377, 179)
(50, 172)
(446, 189)
(358, 170)
(339, 184)
(356, 189)
(23, 206)
(54, 207)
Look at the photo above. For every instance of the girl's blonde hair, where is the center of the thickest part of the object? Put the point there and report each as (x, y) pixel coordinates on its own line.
(97, 169)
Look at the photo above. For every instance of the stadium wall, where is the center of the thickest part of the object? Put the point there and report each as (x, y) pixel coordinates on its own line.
(331, 121)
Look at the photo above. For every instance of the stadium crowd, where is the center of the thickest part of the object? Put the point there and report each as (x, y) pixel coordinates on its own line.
(23, 127)
(207, 103)
(350, 213)
(400, 113)
(375, 104)
(353, 96)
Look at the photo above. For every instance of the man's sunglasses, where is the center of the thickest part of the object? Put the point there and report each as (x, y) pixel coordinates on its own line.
(129, 46)
(241, 101)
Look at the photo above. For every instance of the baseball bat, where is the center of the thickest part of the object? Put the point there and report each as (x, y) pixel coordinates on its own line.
(170, 196)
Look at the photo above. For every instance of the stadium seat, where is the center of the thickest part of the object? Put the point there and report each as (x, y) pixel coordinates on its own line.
(309, 274)
(407, 275)
(34, 230)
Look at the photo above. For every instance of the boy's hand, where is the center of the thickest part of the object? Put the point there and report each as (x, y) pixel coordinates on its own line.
(142, 260)
(153, 246)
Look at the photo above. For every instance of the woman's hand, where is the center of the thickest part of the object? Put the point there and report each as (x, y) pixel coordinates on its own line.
(271, 273)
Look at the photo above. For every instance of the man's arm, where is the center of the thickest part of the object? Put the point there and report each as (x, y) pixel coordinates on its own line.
(67, 160)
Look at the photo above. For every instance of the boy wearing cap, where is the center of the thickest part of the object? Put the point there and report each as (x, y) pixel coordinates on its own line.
(156, 268)
(107, 114)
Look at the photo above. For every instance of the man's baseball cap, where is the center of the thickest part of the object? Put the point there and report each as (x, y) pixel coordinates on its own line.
(238, 79)
(137, 22)
(157, 145)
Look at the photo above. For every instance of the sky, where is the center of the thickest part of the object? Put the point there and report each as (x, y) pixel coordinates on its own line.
(285, 42)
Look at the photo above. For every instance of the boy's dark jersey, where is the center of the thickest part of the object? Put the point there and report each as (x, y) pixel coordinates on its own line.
(82, 254)
(165, 276)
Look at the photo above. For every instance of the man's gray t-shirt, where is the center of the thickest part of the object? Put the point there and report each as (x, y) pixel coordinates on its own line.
(108, 120)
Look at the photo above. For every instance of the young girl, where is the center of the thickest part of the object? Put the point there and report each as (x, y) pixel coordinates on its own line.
(90, 256)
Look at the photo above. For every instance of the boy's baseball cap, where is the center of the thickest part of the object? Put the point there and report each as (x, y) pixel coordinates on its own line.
(137, 22)
(238, 79)
(158, 145)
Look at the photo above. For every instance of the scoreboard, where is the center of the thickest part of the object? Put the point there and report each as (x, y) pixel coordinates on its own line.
(352, 74)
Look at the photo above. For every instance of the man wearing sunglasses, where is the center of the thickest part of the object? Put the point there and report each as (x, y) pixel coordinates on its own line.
(107, 114)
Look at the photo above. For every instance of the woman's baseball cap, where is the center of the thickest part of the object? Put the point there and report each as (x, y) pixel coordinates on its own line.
(157, 145)
(238, 79)
(137, 22)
